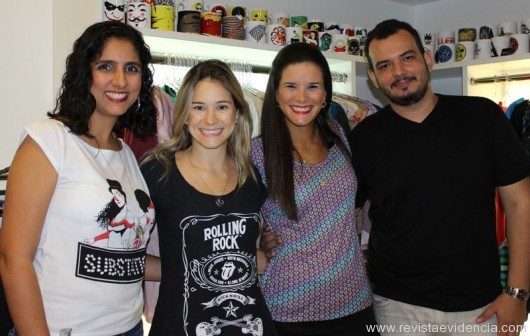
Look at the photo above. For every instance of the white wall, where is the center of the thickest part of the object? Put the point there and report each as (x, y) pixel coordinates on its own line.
(25, 68)
(38, 35)
(455, 14)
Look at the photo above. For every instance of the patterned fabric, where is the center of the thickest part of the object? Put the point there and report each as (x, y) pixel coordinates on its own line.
(526, 129)
(504, 260)
(318, 272)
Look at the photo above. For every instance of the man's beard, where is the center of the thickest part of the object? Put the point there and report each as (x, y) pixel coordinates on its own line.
(411, 97)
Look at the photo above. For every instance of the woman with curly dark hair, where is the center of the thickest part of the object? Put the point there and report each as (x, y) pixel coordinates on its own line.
(58, 279)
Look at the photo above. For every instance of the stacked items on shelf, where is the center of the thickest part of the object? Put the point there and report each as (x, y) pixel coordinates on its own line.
(507, 38)
(236, 22)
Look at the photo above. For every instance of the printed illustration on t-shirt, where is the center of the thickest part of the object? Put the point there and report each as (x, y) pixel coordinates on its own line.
(118, 253)
(219, 270)
(123, 228)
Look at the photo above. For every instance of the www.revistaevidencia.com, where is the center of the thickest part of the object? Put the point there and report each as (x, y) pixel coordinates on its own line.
(434, 328)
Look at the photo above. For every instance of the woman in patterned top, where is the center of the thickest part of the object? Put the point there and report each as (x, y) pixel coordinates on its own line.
(316, 283)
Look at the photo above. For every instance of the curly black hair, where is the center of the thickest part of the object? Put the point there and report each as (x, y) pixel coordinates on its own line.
(75, 103)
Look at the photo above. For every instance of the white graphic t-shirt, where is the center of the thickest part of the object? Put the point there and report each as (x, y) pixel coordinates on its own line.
(91, 256)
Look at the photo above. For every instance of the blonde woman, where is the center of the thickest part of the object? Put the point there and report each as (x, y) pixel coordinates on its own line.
(207, 197)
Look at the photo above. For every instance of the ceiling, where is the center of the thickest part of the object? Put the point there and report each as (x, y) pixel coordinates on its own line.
(413, 2)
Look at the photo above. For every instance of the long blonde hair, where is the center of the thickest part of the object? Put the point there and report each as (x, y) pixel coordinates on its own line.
(239, 141)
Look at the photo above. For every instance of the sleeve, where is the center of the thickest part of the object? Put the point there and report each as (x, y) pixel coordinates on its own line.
(51, 136)
(147, 169)
(510, 163)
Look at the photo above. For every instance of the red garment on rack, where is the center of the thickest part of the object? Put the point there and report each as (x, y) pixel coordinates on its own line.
(500, 220)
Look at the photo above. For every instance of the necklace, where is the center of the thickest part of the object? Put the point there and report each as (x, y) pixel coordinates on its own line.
(105, 159)
(121, 161)
(304, 161)
(218, 201)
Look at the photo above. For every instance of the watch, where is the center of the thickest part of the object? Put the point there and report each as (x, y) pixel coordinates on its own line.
(519, 294)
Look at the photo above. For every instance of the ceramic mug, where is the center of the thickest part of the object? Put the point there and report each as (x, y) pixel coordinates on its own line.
(446, 53)
(189, 21)
(486, 32)
(325, 39)
(280, 18)
(315, 24)
(446, 37)
(467, 34)
(519, 44)
(139, 14)
(465, 51)
(114, 10)
(340, 43)
(310, 36)
(293, 35)
(525, 26)
(332, 27)
(508, 28)
(276, 34)
(483, 49)
(163, 17)
(354, 45)
(299, 21)
(259, 15)
(197, 5)
(211, 24)
(218, 8)
(256, 31)
(501, 45)
(238, 11)
(347, 29)
(233, 27)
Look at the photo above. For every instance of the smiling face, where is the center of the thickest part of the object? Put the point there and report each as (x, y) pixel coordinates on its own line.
(212, 116)
(301, 94)
(114, 10)
(116, 79)
(401, 71)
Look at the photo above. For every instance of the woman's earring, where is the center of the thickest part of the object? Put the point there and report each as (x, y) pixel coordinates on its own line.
(323, 104)
(138, 104)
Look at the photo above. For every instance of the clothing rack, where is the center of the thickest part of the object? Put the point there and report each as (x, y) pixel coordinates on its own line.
(164, 59)
(189, 61)
(3, 173)
(495, 79)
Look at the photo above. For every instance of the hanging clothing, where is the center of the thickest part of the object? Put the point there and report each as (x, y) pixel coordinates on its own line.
(520, 120)
(355, 107)
(164, 124)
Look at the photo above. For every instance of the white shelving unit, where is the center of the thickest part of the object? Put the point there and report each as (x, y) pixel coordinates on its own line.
(165, 43)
